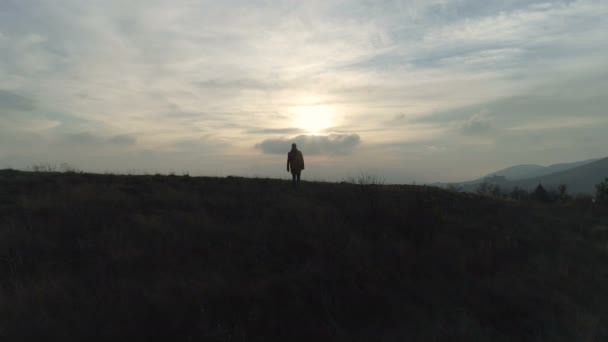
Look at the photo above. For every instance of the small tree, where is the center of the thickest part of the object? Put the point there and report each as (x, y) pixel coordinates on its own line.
(483, 188)
(541, 194)
(518, 193)
(491, 189)
(563, 192)
(601, 190)
(455, 187)
(495, 190)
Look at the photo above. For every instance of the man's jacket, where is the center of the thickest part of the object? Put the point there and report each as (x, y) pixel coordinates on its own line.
(295, 161)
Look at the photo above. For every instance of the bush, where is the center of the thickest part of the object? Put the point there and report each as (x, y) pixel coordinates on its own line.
(519, 194)
(601, 190)
(455, 187)
(540, 194)
(563, 192)
(365, 178)
(491, 189)
(43, 168)
(64, 167)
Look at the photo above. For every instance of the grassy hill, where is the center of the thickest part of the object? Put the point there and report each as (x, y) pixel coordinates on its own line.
(130, 258)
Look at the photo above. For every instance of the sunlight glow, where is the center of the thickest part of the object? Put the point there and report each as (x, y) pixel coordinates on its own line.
(313, 118)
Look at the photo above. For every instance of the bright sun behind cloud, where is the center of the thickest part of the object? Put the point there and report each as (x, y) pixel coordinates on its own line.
(313, 118)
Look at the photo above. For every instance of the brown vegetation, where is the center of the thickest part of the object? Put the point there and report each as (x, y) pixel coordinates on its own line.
(127, 258)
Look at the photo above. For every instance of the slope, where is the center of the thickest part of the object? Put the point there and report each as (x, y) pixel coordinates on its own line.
(581, 179)
(125, 258)
(525, 171)
(516, 172)
(556, 168)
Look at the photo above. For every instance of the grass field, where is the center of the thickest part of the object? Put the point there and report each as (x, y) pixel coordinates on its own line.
(87, 257)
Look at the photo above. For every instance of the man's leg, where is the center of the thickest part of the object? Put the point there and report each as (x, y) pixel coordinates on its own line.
(298, 174)
(293, 179)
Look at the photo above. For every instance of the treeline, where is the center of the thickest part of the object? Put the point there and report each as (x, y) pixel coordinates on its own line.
(540, 193)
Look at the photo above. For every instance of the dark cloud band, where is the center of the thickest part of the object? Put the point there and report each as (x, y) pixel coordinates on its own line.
(9, 100)
(332, 144)
(86, 138)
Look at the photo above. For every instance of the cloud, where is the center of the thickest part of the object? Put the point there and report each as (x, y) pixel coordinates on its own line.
(275, 131)
(478, 124)
(122, 139)
(84, 138)
(332, 144)
(239, 84)
(123, 74)
(202, 145)
(87, 138)
(10, 100)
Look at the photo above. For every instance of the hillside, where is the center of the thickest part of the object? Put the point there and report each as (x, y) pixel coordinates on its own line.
(132, 258)
(516, 172)
(547, 170)
(581, 179)
(525, 171)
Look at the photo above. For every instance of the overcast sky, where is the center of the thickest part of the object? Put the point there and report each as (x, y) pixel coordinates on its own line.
(424, 91)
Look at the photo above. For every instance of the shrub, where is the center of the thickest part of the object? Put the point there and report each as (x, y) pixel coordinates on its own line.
(540, 194)
(496, 191)
(365, 178)
(601, 190)
(563, 190)
(491, 189)
(455, 187)
(44, 168)
(483, 188)
(66, 168)
(518, 193)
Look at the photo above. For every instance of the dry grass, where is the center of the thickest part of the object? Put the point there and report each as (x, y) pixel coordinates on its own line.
(123, 258)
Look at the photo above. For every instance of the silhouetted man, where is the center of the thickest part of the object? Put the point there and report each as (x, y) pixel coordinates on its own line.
(295, 162)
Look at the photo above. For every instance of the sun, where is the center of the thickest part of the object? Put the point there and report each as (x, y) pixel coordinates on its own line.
(313, 118)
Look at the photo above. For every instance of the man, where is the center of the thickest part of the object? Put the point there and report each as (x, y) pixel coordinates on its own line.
(295, 162)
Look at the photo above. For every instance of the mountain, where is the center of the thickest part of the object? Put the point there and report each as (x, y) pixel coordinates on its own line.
(532, 170)
(581, 179)
(581, 176)
(517, 171)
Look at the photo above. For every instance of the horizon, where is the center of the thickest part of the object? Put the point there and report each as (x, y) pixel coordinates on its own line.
(357, 177)
(350, 177)
(410, 91)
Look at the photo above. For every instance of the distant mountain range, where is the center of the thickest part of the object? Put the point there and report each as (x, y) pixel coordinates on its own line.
(531, 170)
(580, 177)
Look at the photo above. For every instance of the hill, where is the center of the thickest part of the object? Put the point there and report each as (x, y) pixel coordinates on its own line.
(581, 179)
(531, 170)
(88, 257)
(515, 172)
(525, 171)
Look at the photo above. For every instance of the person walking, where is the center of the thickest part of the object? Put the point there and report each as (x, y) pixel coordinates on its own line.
(295, 163)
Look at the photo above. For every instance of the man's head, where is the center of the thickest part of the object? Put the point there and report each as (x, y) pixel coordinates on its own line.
(294, 146)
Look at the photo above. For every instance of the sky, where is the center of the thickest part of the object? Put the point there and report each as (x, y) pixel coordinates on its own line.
(409, 91)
